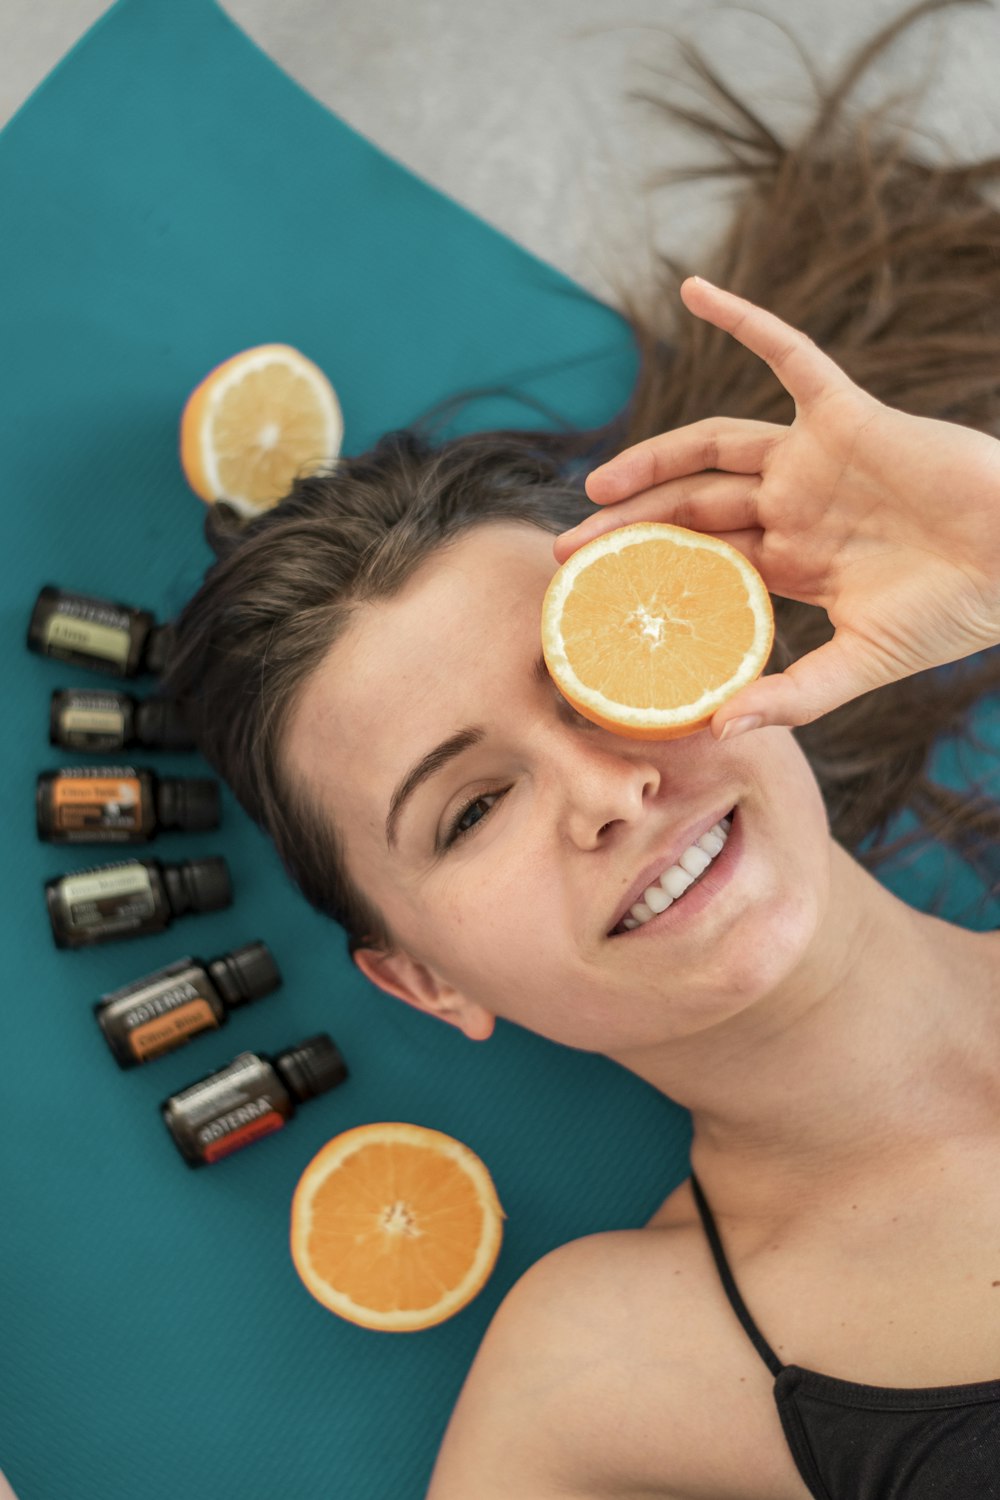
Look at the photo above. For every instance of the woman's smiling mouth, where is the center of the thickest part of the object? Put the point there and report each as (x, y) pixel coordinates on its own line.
(689, 882)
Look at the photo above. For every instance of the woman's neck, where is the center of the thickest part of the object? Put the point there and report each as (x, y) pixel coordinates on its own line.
(884, 1036)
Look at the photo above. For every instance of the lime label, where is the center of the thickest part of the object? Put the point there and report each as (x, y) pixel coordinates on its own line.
(69, 633)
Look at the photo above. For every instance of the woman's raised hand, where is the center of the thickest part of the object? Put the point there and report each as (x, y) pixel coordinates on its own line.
(890, 522)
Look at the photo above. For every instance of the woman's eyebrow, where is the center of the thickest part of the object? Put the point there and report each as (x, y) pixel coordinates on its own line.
(435, 760)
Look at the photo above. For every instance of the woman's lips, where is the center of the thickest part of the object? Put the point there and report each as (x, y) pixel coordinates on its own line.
(700, 892)
(668, 855)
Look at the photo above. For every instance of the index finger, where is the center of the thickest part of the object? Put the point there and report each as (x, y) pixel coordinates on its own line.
(803, 369)
(733, 444)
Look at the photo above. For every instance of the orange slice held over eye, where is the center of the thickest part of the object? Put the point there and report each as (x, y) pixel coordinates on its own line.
(254, 423)
(395, 1227)
(648, 629)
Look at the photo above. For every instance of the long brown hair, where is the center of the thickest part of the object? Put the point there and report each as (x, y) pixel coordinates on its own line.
(891, 265)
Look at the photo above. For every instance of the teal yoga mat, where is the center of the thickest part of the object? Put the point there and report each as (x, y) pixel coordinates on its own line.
(171, 197)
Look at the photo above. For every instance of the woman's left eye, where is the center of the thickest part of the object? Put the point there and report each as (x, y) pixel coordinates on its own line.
(456, 832)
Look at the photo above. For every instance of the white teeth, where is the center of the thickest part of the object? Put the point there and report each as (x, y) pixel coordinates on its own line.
(657, 898)
(695, 860)
(675, 881)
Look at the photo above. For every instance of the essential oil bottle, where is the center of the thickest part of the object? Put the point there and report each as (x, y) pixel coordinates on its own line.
(121, 804)
(99, 720)
(252, 1097)
(168, 1009)
(124, 900)
(96, 633)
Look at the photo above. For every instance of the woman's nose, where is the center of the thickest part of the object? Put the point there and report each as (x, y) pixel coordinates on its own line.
(604, 779)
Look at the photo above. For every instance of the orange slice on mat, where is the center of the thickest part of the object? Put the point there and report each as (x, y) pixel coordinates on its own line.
(254, 423)
(649, 628)
(395, 1227)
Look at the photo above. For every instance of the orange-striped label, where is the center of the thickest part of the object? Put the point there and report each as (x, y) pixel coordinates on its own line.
(165, 1032)
(97, 802)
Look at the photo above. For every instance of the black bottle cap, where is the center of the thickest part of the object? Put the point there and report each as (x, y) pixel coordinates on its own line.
(56, 714)
(56, 703)
(43, 803)
(191, 803)
(247, 973)
(160, 724)
(198, 885)
(157, 651)
(313, 1067)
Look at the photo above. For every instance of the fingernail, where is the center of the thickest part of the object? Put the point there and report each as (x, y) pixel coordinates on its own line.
(738, 726)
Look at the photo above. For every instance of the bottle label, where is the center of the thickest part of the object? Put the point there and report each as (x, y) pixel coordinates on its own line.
(116, 899)
(238, 1136)
(160, 1011)
(87, 718)
(86, 802)
(149, 1039)
(106, 636)
(233, 1107)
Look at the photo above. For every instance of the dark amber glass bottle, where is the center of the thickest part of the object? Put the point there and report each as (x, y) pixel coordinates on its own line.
(165, 1010)
(97, 720)
(96, 633)
(121, 804)
(252, 1097)
(102, 904)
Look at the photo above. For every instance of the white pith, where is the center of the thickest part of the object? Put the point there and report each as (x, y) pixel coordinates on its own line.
(677, 878)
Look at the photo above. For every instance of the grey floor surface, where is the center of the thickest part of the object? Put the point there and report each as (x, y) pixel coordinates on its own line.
(521, 110)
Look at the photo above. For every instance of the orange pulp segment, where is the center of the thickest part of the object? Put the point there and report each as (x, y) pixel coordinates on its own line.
(255, 422)
(395, 1227)
(649, 628)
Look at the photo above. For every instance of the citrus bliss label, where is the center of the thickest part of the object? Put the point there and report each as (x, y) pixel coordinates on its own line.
(161, 1033)
(158, 1012)
(157, 1016)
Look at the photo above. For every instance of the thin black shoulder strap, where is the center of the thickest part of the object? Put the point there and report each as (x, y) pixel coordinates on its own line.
(739, 1307)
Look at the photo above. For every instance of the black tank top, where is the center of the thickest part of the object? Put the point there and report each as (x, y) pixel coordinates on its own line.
(876, 1442)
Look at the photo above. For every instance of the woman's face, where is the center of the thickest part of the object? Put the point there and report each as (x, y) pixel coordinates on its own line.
(513, 919)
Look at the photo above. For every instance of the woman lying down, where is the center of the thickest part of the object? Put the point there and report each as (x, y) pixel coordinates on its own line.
(815, 1311)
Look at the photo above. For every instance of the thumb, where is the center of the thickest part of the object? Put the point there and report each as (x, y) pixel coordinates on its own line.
(814, 685)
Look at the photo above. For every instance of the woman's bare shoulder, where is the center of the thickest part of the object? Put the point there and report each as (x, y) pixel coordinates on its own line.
(552, 1386)
(609, 1368)
(661, 1368)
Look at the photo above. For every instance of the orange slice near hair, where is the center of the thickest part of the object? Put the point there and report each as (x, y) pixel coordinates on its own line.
(254, 423)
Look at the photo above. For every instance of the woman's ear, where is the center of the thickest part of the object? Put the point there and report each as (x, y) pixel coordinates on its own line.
(400, 975)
